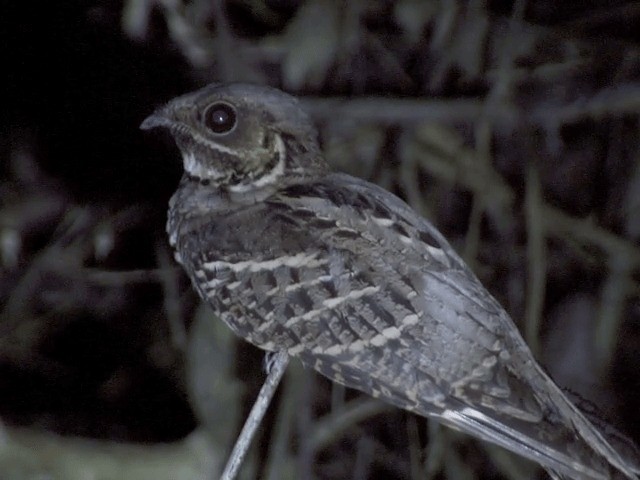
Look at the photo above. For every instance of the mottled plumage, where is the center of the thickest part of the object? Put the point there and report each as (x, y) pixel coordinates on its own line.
(349, 279)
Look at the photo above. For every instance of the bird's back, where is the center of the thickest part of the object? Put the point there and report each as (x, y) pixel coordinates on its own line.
(345, 276)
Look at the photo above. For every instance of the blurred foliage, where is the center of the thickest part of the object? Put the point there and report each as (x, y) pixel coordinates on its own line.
(512, 125)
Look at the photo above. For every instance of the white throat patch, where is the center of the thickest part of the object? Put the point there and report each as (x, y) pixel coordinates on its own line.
(196, 169)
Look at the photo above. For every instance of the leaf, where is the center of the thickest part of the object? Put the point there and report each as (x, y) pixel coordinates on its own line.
(312, 42)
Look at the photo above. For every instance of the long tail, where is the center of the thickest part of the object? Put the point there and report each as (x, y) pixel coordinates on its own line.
(565, 442)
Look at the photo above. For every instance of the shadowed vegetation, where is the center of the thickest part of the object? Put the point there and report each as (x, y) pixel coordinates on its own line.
(513, 126)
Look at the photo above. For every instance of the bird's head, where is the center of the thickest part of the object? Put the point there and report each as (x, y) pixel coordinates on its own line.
(242, 137)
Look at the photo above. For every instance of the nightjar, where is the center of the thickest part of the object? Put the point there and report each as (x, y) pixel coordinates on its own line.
(349, 279)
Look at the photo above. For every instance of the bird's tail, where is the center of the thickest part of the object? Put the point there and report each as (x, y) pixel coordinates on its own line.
(565, 442)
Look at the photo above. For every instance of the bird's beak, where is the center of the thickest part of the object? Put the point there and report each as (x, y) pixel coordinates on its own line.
(159, 118)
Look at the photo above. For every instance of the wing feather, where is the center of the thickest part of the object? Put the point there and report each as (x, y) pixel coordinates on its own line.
(436, 342)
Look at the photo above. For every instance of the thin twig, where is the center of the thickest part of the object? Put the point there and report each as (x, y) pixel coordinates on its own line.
(278, 367)
(279, 458)
(613, 297)
(333, 426)
(119, 278)
(537, 259)
(586, 231)
(391, 111)
(171, 298)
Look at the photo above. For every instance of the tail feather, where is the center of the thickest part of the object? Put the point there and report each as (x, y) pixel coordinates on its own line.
(578, 453)
(556, 462)
(625, 460)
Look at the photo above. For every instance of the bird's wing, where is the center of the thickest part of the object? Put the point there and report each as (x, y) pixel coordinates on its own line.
(422, 332)
(345, 276)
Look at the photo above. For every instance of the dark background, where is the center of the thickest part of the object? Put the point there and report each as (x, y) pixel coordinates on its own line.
(513, 127)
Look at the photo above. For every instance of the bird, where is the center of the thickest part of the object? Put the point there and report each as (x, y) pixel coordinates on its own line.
(345, 276)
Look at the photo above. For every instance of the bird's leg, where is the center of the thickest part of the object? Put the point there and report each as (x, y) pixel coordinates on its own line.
(275, 365)
(270, 359)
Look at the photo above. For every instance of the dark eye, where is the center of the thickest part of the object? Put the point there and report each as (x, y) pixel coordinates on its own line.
(220, 117)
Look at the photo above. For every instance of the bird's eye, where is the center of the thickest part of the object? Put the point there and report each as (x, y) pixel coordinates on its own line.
(220, 117)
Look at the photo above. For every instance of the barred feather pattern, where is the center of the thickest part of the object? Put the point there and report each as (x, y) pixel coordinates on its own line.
(349, 279)
(309, 271)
